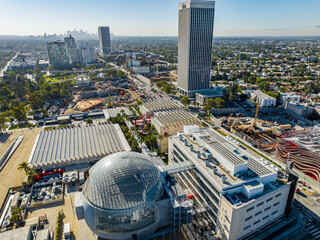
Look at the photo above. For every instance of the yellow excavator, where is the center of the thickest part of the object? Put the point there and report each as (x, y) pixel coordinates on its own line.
(254, 124)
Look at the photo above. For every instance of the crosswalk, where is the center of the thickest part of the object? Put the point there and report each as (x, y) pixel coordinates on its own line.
(312, 229)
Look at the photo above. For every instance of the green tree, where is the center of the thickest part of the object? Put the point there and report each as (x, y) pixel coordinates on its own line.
(89, 120)
(185, 100)
(134, 145)
(120, 74)
(16, 216)
(35, 101)
(24, 166)
(19, 113)
(264, 86)
(2, 121)
(243, 97)
(220, 103)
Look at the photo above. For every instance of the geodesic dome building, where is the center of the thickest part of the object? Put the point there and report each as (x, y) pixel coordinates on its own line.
(120, 196)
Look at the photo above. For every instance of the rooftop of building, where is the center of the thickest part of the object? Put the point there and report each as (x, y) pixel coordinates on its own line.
(82, 77)
(309, 138)
(224, 156)
(159, 105)
(260, 94)
(173, 116)
(239, 198)
(19, 233)
(77, 144)
(300, 106)
(211, 92)
(112, 112)
(289, 94)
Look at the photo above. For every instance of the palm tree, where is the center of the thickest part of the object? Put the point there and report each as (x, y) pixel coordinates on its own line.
(127, 134)
(30, 175)
(16, 215)
(15, 218)
(24, 166)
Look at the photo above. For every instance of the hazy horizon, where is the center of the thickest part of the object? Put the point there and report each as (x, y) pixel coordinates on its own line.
(233, 18)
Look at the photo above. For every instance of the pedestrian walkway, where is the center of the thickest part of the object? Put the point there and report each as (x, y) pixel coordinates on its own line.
(311, 227)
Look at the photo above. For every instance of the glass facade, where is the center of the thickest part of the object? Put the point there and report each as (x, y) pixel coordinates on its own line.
(58, 57)
(196, 23)
(104, 40)
(121, 193)
(195, 181)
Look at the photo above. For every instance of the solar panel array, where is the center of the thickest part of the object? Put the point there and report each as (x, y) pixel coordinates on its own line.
(257, 167)
(229, 156)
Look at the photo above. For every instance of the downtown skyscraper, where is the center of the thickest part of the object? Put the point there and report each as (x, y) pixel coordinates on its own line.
(196, 22)
(104, 40)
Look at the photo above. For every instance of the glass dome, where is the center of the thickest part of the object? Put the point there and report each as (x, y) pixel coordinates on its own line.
(122, 189)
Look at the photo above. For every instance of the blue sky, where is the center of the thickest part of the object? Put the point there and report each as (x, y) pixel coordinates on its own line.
(158, 17)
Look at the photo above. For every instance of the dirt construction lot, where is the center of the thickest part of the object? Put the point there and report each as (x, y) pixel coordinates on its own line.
(10, 176)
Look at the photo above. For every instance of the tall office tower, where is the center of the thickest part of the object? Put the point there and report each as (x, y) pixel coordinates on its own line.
(196, 18)
(104, 40)
(58, 57)
(70, 42)
(72, 49)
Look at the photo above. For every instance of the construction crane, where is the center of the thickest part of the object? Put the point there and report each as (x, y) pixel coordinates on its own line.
(254, 124)
(109, 100)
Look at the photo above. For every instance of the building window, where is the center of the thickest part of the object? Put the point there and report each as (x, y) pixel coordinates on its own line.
(267, 208)
(268, 200)
(256, 222)
(247, 219)
(246, 227)
(249, 209)
(258, 213)
(265, 217)
(259, 204)
(274, 212)
(276, 204)
(278, 195)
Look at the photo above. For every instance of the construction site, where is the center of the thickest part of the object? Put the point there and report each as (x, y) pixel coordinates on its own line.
(261, 131)
(86, 104)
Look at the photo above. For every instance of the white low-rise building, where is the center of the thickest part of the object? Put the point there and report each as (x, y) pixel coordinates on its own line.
(264, 99)
(82, 81)
(290, 97)
(301, 110)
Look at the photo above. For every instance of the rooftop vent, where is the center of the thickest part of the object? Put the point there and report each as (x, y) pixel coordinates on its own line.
(215, 170)
(224, 178)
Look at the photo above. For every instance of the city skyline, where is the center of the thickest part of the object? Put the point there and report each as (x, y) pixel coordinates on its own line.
(142, 18)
